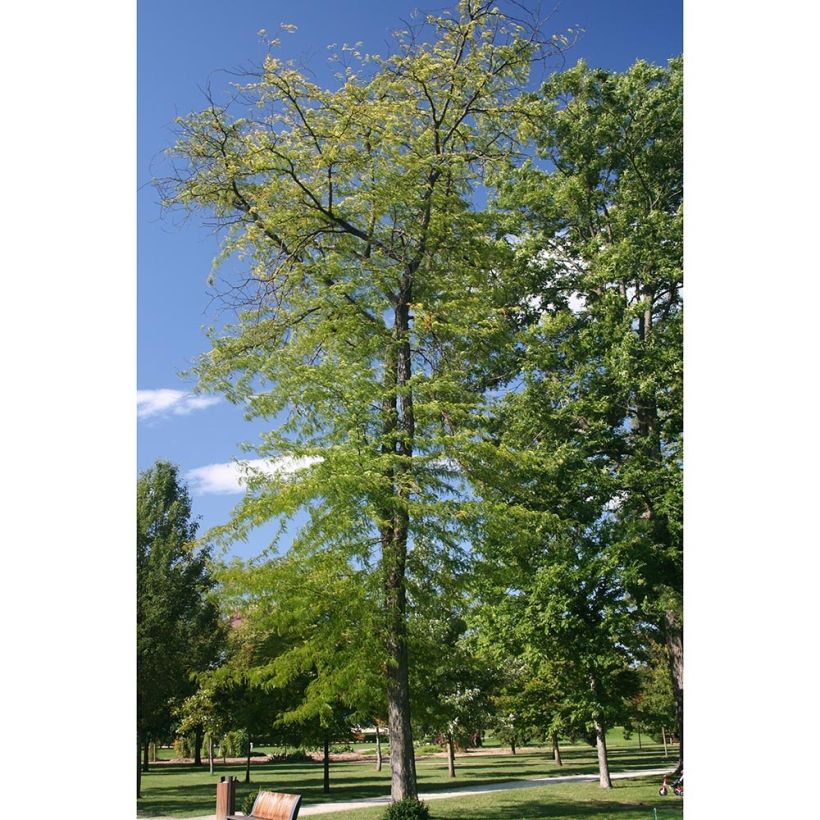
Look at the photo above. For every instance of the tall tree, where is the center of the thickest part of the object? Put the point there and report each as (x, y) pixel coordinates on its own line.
(596, 430)
(371, 277)
(178, 630)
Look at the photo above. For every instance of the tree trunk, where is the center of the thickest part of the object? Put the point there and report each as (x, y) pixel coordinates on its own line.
(604, 779)
(198, 733)
(663, 737)
(145, 756)
(556, 752)
(378, 748)
(139, 768)
(399, 430)
(248, 761)
(402, 761)
(451, 756)
(512, 745)
(210, 753)
(673, 633)
(326, 765)
(639, 739)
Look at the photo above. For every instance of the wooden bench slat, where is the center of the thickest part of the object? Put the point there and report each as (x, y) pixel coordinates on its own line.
(273, 806)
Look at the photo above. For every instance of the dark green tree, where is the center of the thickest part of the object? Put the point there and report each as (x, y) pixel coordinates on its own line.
(178, 626)
(595, 431)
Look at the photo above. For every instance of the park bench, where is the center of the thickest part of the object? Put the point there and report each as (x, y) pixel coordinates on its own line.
(267, 806)
(273, 806)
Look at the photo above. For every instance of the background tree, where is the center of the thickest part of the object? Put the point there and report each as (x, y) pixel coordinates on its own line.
(553, 596)
(205, 708)
(320, 662)
(178, 629)
(371, 296)
(655, 707)
(450, 685)
(579, 621)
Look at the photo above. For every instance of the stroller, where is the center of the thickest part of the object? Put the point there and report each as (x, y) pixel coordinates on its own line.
(677, 786)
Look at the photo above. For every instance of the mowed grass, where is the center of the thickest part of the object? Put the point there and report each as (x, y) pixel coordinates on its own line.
(186, 791)
(628, 800)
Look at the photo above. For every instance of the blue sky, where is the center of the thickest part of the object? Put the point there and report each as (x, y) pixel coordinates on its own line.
(182, 47)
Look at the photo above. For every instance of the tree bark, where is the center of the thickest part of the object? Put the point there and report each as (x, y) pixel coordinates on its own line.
(145, 756)
(663, 737)
(399, 431)
(139, 768)
(604, 779)
(210, 753)
(556, 751)
(198, 735)
(673, 633)
(378, 748)
(451, 756)
(326, 764)
(512, 745)
(402, 760)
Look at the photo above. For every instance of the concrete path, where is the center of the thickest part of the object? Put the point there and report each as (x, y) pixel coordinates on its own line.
(369, 802)
(327, 808)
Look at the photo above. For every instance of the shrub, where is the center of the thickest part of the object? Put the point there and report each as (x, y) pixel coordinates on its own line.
(289, 755)
(407, 809)
(248, 800)
(183, 746)
(233, 744)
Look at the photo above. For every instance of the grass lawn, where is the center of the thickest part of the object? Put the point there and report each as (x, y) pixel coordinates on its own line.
(630, 799)
(185, 791)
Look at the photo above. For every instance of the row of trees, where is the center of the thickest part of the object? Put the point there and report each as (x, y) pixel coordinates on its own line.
(290, 669)
(486, 399)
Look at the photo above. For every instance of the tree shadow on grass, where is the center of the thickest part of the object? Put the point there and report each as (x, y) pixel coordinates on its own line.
(531, 809)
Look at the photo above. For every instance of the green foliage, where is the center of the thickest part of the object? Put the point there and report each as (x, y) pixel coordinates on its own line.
(178, 627)
(450, 684)
(292, 756)
(407, 809)
(233, 744)
(184, 746)
(583, 466)
(248, 800)
(654, 706)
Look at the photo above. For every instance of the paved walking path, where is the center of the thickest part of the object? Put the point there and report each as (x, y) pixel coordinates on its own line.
(368, 802)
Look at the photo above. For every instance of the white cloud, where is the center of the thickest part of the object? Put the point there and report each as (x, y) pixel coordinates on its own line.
(228, 479)
(165, 401)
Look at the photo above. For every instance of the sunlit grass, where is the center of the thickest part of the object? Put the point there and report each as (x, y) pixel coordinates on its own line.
(185, 790)
(628, 800)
